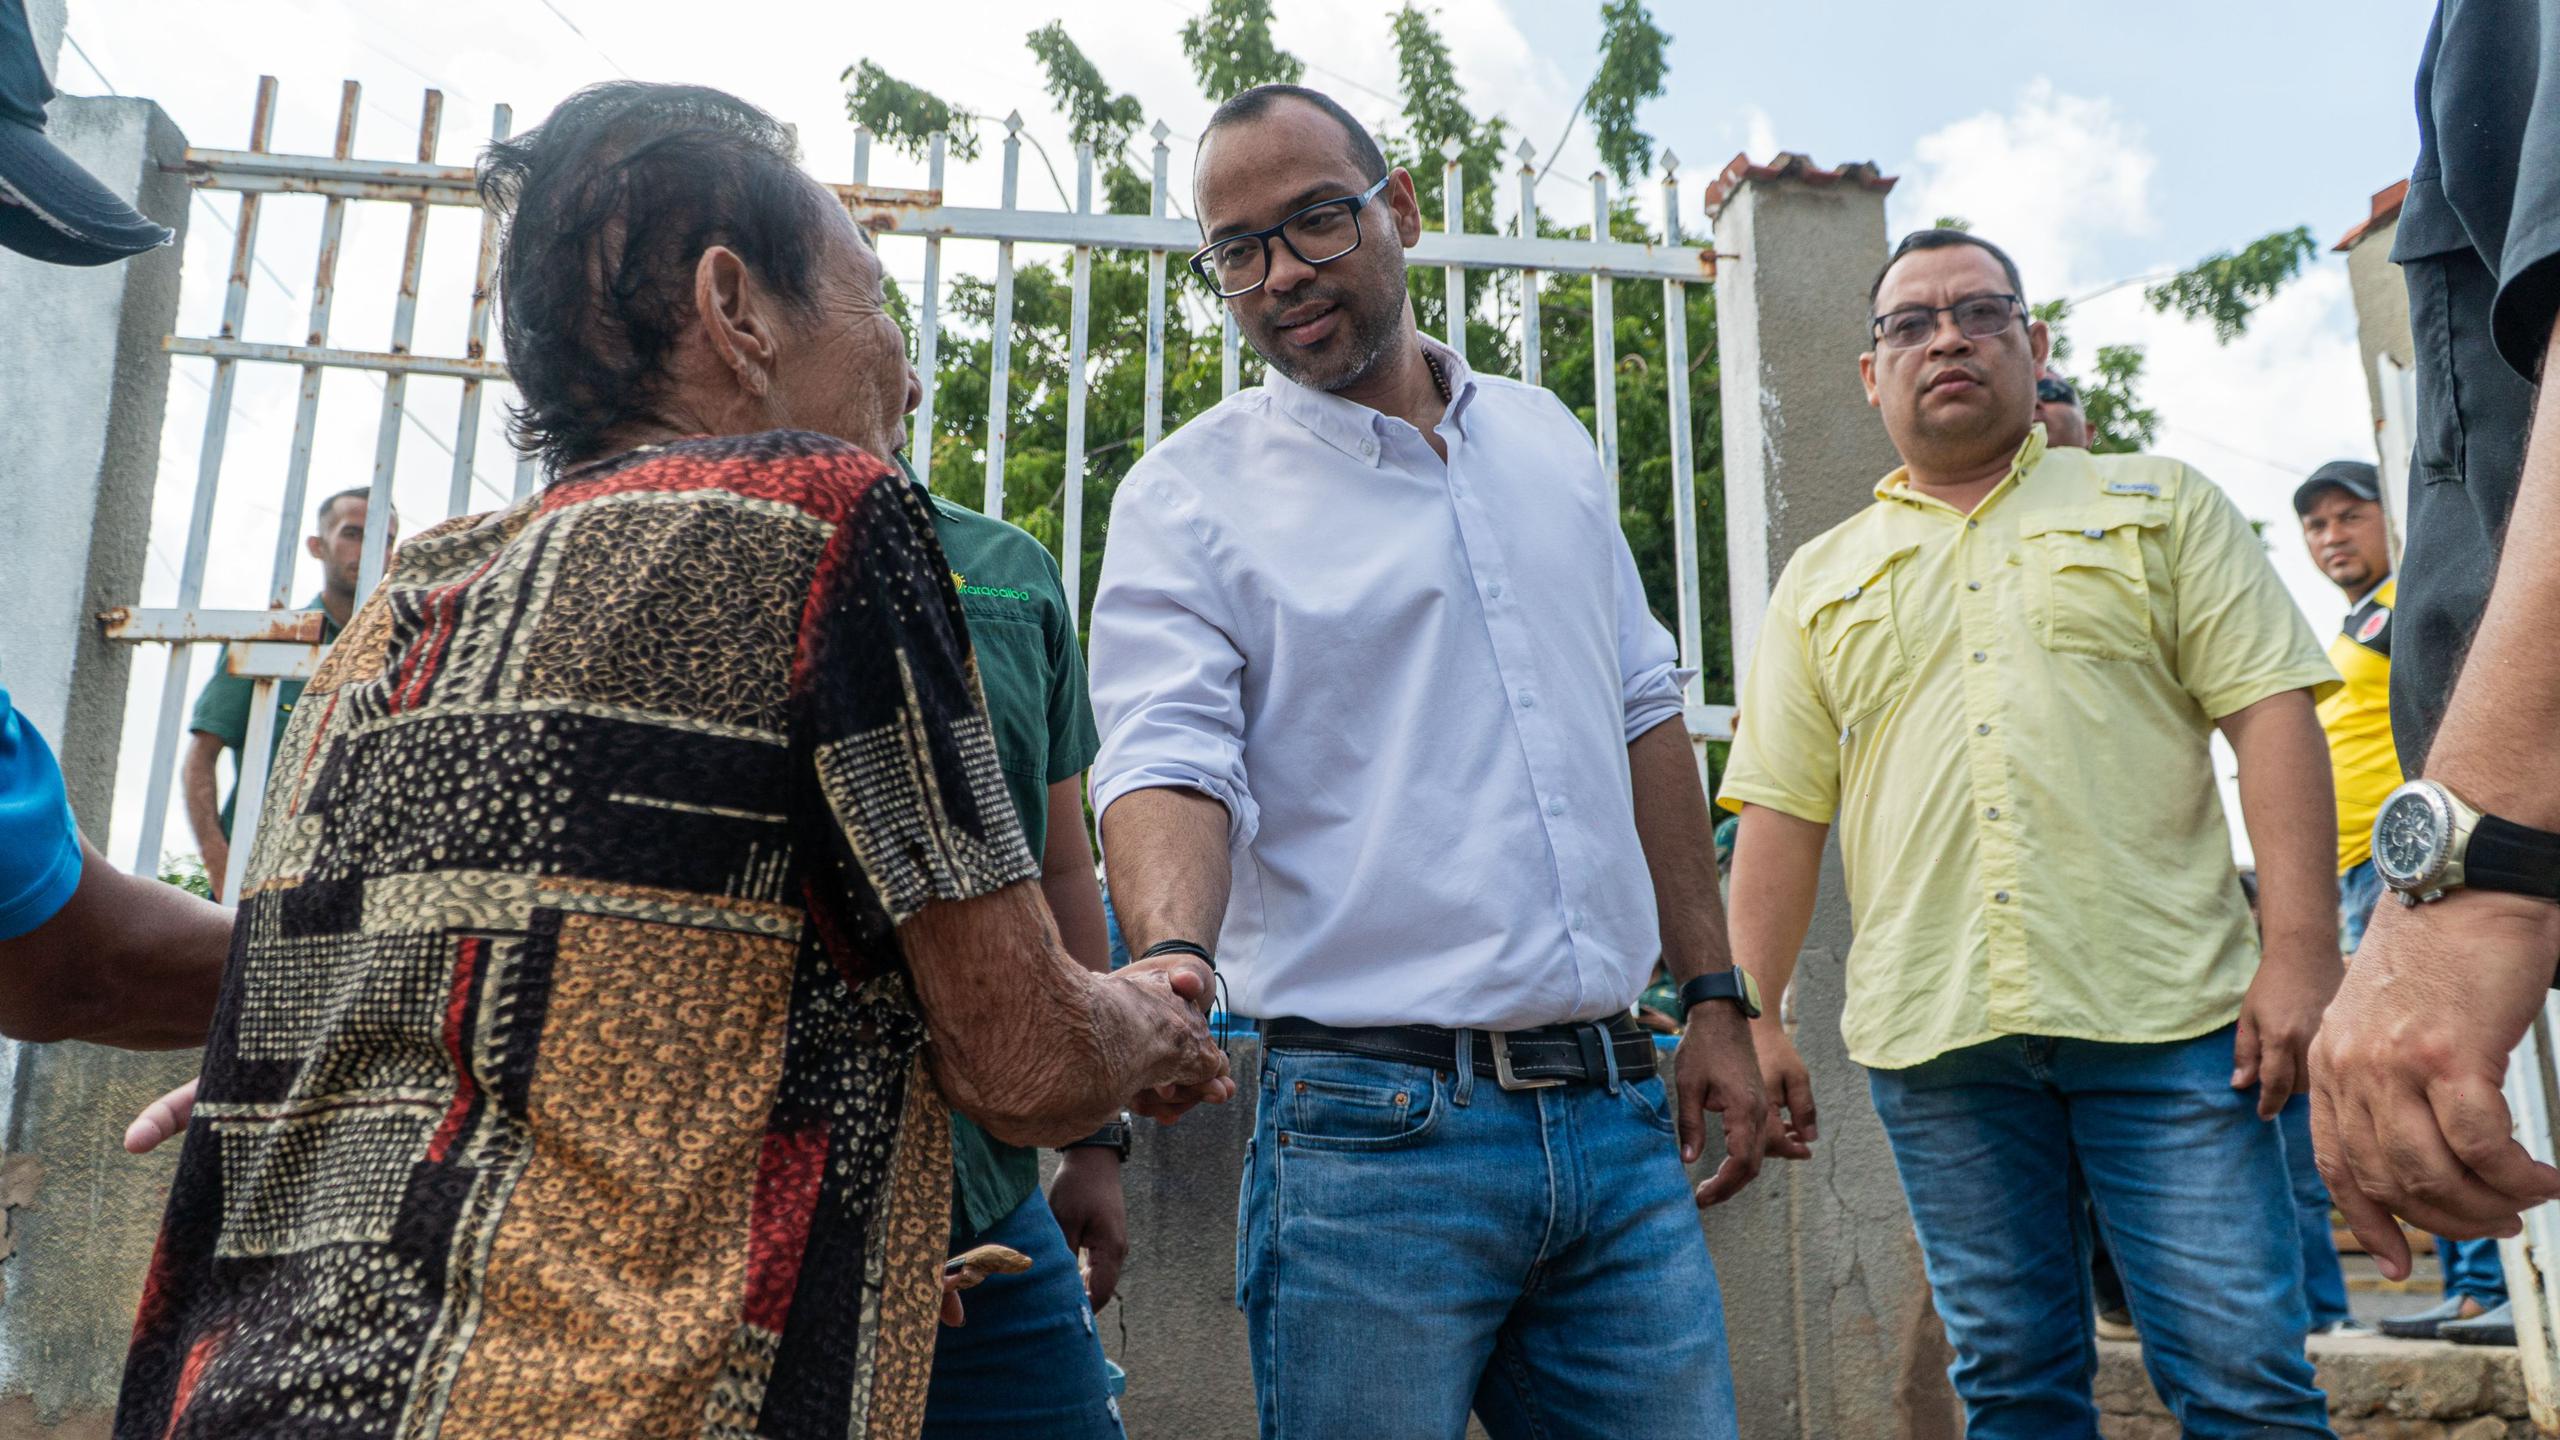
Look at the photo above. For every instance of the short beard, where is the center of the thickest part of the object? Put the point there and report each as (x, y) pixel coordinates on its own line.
(1376, 330)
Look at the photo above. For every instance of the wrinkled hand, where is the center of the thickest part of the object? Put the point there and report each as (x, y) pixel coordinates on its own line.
(1094, 1215)
(2278, 1019)
(1790, 1131)
(1715, 1069)
(2407, 1116)
(1200, 1071)
(163, 1119)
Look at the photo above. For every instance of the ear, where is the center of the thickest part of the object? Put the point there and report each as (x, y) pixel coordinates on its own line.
(1867, 376)
(729, 309)
(1402, 204)
(311, 546)
(2040, 342)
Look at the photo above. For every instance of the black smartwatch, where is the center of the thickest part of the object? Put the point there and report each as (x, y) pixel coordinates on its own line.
(2427, 842)
(1113, 1137)
(1733, 984)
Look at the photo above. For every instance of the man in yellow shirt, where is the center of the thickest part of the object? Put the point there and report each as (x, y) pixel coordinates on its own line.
(1999, 681)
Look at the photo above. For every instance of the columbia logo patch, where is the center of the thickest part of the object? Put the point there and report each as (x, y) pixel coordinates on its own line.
(2372, 625)
(2134, 487)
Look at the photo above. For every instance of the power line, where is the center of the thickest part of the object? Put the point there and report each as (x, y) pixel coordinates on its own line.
(581, 34)
(74, 43)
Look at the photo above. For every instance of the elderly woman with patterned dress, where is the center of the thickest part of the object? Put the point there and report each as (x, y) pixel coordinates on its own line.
(636, 882)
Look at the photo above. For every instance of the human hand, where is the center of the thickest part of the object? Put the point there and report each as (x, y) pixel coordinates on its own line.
(1715, 1069)
(2407, 1113)
(1094, 1216)
(2278, 1019)
(1790, 1131)
(970, 1269)
(1185, 1067)
(161, 1120)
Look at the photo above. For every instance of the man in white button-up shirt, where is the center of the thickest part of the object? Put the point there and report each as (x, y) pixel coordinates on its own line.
(1388, 725)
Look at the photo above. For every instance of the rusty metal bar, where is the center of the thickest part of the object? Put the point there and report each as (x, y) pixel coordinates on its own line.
(351, 179)
(1155, 296)
(395, 390)
(1604, 347)
(306, 413)
(257, 753)
(134, 625)
(466, 430)
(1530, 356)
(335, 359)
(1453, 220)
(1000, 332)
(528, 475)
(1079, 324)
(217, 429)
(1684, 472)
(262, 661)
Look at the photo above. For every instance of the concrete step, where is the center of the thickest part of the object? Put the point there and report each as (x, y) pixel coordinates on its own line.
(2378, 1390)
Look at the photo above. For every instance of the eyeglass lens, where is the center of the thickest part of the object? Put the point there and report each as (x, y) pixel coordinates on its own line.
(1978, 318)
(1323, 233)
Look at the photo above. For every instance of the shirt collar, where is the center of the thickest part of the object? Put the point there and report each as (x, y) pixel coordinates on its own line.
(1897, 485)
(1354, 428)
(2367, 597)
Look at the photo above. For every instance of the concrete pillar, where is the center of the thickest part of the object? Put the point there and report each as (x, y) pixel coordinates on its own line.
(1833, 1333)
(83, 383)
(45, 19)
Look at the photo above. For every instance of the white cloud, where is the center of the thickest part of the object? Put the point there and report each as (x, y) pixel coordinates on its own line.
(2049, 179)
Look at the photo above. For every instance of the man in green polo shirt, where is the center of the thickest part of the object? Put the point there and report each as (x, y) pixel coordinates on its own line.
(1028, 1364)
(222, 711)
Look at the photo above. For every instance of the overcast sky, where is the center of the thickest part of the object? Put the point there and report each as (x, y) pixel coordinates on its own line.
(2098, 142)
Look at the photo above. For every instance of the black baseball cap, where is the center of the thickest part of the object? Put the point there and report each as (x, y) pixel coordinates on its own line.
(50, 208)
(2356, 477)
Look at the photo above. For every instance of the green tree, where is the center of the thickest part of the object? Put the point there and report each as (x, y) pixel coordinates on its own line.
(905, 117)
(2228, 287)
(1435, 112)
(1633, 68)
(1231, 51)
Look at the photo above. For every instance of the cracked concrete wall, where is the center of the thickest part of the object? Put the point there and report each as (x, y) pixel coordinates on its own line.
(85, 383)
(1833, 1333)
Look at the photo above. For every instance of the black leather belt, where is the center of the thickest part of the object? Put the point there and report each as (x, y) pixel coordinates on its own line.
(1515, 1060)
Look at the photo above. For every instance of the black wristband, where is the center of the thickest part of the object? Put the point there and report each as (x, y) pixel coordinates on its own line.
(1113, 1136)
(1181, 947)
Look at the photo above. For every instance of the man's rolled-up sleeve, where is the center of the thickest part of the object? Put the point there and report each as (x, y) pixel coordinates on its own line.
(1786, 752)
(1167, 672)
(2240, 638)
(1651, 684)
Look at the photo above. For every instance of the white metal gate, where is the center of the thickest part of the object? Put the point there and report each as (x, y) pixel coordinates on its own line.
(273, 645)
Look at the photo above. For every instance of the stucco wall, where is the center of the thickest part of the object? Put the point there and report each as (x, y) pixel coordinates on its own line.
(2382, 310)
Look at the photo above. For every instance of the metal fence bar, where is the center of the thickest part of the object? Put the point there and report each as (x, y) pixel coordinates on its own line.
(395, 390)
(466, 430)
(1155, 297)
(217, 429)
(2531, 1257)
(929, 336)
(1604, 347)
(1079, 323)
(528, 475)
(1530, 357)
(306, 413)
(1000, 332)
(1684, 475)
(1453, 219)
(383, 361)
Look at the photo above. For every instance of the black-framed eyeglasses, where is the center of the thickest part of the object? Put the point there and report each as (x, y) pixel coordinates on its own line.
(1979, 317)
(1318, 235)
(2050, 391)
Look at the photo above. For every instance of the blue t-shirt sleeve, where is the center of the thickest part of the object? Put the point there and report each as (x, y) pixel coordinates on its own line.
(39, 843)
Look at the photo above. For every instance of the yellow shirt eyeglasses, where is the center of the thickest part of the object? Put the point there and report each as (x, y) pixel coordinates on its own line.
(2007, 715)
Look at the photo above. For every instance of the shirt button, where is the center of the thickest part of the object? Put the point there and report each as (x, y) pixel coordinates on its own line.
(1973, 524)
(1493, 591)
(1991, 812)
(1576, 921)
(1528, 702)
(1555, 807)
(1999, 897)
(1979, 657)
(1854, 592)
(1981, 729)
(1973, 584)
(2094, 534)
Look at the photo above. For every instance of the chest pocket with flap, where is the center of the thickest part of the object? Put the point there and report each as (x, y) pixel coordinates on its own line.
(2087, 585)
(1847, 613)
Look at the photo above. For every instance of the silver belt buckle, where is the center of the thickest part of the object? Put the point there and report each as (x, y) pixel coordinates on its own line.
(1502, 1067)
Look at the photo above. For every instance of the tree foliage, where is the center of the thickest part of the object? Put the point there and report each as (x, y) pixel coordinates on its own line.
(2228, 287)
(1633, 67)
(904, 116)
(1095, 116)
(1231, 50)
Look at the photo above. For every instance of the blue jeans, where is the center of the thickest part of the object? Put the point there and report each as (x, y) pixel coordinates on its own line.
(1027, 1365)
(2472, 1267)
(2359, 890)
(1996, 1142)
(1412, 1244)
(2324, 1281)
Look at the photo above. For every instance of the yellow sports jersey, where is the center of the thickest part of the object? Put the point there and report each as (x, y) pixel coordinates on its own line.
(2358, 719)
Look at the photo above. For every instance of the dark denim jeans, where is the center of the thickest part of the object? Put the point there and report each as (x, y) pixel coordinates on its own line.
(1028, 1365)
(1995, 1143)
(1411, 1245)
(2472, 1267)
(2324, 1281)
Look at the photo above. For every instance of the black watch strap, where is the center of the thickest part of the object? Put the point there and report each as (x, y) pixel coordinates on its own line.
(1726, 984)
(2505, 856)
(1114, 1136)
